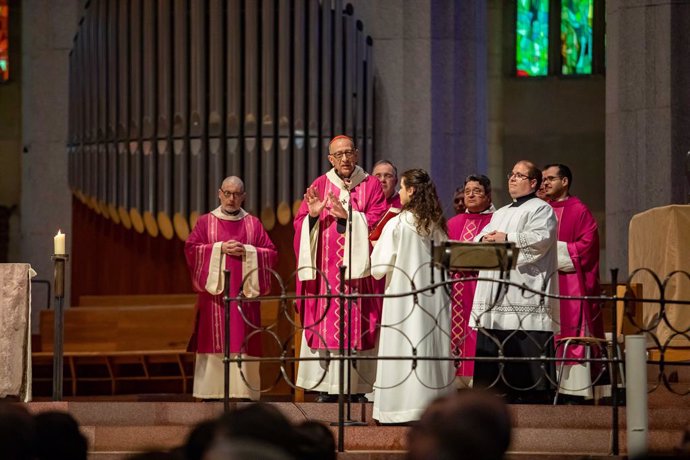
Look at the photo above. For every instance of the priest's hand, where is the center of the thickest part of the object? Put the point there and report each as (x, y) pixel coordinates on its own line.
(314, 203)
(337, 209)
(495, 237)
(232, 248)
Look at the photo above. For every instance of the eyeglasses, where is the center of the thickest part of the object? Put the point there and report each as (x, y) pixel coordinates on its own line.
(474, 191)
(384, 175)
(228, 194)
(517, 175)
(349, 154)
(551, 178)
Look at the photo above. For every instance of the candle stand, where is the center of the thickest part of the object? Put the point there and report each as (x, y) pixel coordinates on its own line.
(59, 261)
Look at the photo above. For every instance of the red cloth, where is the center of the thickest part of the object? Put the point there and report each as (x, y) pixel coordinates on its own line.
(578, 228)
(376, 232)
(320, 317)
(210, 322)
(463, 339)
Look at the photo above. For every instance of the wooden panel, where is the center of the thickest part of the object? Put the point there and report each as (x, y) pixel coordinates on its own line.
(108, 329)
(134, 300)
(110, 259)
(678, 354)
(159, 327)
(84, 331)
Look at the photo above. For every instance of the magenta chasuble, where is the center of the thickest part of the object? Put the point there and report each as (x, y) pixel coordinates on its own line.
(578, 229)
(202, 251)
(320, 317)
(464, 227)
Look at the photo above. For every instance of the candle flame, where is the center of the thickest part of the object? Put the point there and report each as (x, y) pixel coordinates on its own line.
(59, 232)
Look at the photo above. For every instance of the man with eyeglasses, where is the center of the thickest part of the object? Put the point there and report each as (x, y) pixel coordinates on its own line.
(464, 227)
(324, 231)
(511, 321)
(387, 174)
(578, 275)
(228, 237)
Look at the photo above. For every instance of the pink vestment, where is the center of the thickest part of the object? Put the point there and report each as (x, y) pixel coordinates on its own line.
(320, 317)
(464, 227)
(577, 228)
(211, 231)
(394, 201)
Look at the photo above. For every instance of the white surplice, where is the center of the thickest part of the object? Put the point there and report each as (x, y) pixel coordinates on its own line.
(403, 256)
(532, 226)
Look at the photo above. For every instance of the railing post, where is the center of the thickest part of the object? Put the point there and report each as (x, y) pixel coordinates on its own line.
(226, 343)
(341, 369)
(614, 369)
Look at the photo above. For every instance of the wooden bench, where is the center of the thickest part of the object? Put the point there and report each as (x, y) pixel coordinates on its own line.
(136, 300)
(118, 344)
(115, 339)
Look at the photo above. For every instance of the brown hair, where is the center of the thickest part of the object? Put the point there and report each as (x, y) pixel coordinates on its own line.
(424, 202)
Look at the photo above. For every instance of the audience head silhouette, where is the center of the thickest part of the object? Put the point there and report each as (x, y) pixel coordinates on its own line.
(467, 425)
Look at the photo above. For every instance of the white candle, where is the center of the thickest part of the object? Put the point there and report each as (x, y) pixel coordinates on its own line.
(59, 243)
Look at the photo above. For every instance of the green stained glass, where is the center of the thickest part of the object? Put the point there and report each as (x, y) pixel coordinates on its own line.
(4, 41)
(576, 36)
(532, 38)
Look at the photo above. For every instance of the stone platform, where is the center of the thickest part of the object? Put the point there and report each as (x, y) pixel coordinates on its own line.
(116, 429)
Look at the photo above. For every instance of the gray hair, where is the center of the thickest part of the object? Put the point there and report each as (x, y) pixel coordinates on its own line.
(385, 162)
(233, 180)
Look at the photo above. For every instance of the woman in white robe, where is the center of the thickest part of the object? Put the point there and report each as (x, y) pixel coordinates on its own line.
(411, 325)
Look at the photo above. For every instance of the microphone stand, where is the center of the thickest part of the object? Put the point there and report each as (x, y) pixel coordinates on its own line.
(348, 419)
(59, 261)
(342, 419)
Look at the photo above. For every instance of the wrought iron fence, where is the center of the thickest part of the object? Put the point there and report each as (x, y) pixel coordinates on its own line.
(618, 307)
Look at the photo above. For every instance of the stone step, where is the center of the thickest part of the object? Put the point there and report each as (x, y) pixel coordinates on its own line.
(109, 413)
(580, 442)
(115, 429)
(399, 455)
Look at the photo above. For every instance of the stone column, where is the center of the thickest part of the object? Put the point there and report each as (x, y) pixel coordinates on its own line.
(459, 103)
(647, 113)
(48, 28)
(402, 60)
(431, 102)
(498, 50)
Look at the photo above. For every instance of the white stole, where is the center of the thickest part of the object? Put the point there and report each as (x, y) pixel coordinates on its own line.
(215, 283)
(309, 240)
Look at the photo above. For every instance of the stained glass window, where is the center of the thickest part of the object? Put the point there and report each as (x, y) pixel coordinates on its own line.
(532, 38)
(576, 36)
(4, 41)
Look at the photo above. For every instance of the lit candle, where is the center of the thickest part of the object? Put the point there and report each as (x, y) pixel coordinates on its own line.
(59, 243)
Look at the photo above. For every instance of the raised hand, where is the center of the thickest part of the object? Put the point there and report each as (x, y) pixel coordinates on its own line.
(314, 202)
(337, 209)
